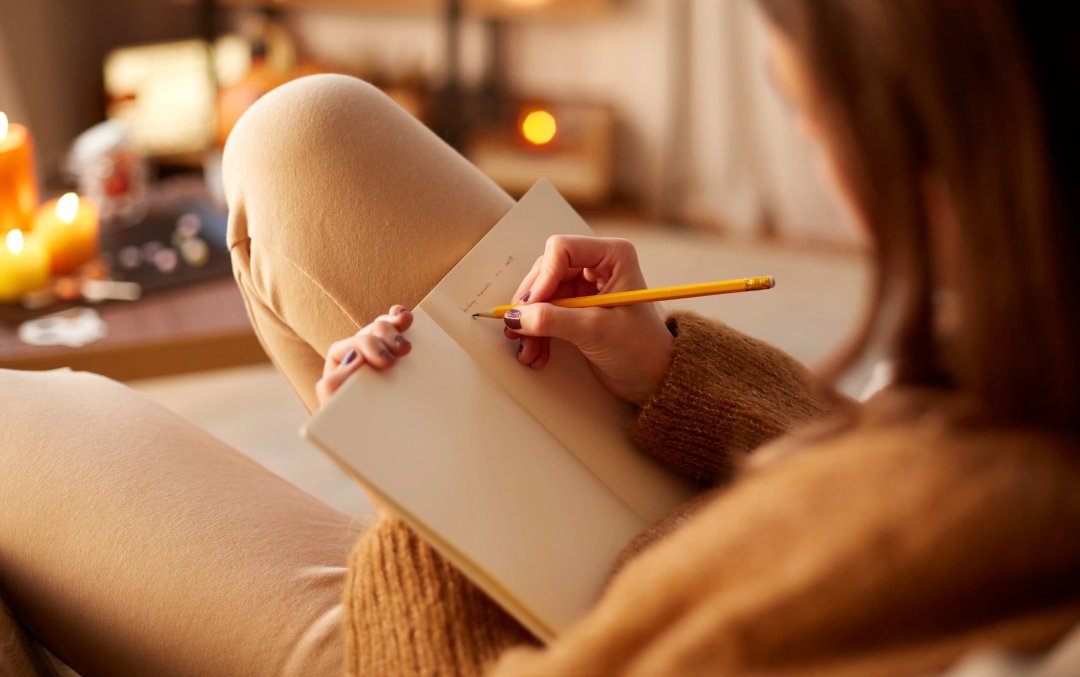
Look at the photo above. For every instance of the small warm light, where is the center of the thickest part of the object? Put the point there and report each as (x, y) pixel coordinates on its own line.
(15, 241)
(539, 127)
(67, 207)
(3, 126)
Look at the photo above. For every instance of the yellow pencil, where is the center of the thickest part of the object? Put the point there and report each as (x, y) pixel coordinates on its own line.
(625, 298)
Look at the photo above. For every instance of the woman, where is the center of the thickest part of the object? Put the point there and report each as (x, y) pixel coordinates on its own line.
(940, 517)
(895, 537)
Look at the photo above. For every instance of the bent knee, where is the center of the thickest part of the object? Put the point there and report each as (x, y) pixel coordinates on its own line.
(297, 127)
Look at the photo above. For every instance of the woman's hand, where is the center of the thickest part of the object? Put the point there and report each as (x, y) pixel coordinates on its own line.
(629, 347)
(379, 344)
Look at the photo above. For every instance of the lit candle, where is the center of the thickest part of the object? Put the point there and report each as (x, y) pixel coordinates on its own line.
(18, 183)
(69, 227)
(24, 266)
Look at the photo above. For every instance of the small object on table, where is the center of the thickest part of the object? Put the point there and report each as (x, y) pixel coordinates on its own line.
(166, 260)
(195, 252)
(18, 182)
(24, 266)
(187, 227)
(129, 257)
(96, 291)
(172, 247)
(39, 299)
(68, 288)
(150, 250)
(74, 328)
(70, 228)
(111, 172)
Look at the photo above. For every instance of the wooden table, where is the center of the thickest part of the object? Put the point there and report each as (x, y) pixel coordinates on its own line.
(201, 326)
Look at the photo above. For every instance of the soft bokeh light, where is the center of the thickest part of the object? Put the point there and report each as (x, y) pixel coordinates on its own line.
(67, 207)
(3, 126)
(539, 127)
(528, 4)
(15, 241)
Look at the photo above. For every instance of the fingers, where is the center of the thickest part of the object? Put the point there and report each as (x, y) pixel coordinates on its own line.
(389, 336)
(332, 380)
(386, 327)
(527, 283)
(545, 354)
(597, 259)
(530, 348)
(378, 344)
(576, 325)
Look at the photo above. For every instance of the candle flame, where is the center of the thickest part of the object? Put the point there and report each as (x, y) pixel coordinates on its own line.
(539, 127)
(3, 126)
(67, 207)
(15, 241)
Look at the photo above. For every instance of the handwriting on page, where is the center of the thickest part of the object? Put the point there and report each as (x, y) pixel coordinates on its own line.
(487, 285)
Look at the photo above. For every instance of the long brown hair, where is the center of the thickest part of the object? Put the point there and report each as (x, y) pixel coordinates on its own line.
(976, 94)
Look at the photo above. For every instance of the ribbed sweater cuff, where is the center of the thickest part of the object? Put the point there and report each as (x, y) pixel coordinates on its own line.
(724, 395)
(408, 611)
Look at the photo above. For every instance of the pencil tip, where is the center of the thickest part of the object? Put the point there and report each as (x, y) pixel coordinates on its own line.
(475, 315)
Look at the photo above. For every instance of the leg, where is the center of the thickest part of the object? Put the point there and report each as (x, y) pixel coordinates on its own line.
(134, 543)
(341, 205)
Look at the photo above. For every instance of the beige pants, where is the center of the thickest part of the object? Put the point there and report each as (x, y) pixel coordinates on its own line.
(133, 543)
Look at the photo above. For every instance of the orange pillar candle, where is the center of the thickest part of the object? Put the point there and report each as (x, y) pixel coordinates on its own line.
(70, 228)
(24, 265)
(18, 183)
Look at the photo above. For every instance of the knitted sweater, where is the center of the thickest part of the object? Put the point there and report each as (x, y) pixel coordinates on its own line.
(892, 545)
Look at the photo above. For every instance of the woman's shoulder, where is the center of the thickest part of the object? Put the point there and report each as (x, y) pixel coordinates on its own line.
(884, 529)
(920, 425)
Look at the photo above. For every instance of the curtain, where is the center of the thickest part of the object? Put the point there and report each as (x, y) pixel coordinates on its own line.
(749, 167)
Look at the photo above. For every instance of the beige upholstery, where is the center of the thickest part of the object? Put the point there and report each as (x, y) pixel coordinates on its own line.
(132, 542)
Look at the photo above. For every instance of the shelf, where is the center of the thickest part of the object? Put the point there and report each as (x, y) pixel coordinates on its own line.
(502, 9)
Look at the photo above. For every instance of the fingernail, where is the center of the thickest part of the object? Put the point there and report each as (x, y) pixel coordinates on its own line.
(350, 357)
(400, 310)
(526, 296)
(512, 318)
(388, 356)
(402, 342)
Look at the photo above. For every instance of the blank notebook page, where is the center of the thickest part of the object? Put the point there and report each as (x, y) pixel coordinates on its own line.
(479, 478)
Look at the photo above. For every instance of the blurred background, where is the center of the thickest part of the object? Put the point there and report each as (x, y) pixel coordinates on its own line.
(656, 118)
(663, 107)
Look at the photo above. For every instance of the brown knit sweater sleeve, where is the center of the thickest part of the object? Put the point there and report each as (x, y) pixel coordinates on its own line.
(724, 395)
(409, 612)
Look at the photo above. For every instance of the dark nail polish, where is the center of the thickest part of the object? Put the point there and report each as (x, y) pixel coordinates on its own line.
(387, 355)
(512, 318)
(350, 357)
(402, 342)
(526, 296)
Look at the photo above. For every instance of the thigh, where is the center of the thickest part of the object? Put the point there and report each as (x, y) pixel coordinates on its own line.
(133, 543)
(341, 204)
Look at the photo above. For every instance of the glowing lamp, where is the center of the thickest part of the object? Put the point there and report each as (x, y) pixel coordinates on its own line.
(538, 127)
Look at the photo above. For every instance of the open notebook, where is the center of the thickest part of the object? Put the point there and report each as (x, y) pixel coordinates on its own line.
(525, 480)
